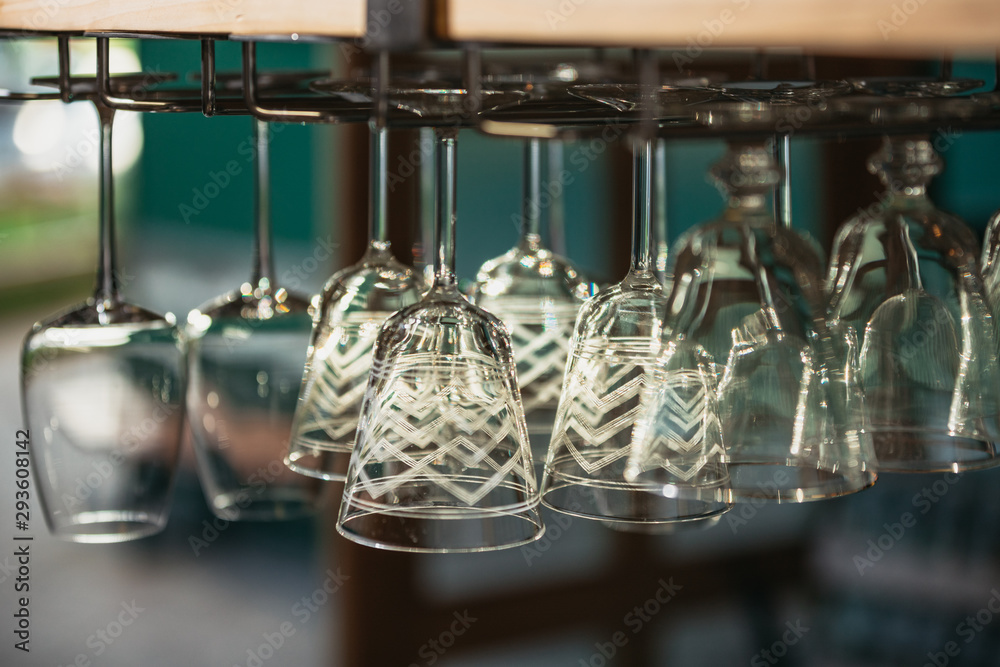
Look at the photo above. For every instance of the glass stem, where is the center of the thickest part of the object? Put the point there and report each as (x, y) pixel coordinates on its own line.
(555, 221)
(445, 207)
(642, 195)
(107, 277)
(262, 267)
(531, 215)
(428, 167)
(782, 149)
(660, 178)
(378, 231)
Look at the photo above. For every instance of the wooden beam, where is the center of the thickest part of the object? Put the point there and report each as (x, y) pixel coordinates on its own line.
(844, 27)
(337, 18)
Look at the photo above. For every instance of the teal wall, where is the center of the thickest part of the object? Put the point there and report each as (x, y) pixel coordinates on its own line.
(490, 196)
(183, 151)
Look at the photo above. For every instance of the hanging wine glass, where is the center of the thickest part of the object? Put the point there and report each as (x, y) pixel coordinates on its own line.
(749, 292)
(103, 396)
(908, 276)
(442, 461)
(354, 304)
(536, 294)
(991, 260)
(614, 353)
(677, 446)
(245, 357)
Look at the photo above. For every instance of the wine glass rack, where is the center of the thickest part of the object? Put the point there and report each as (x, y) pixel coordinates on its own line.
(549, 104)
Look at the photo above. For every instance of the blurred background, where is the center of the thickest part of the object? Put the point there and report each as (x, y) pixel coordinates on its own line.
(836, 583)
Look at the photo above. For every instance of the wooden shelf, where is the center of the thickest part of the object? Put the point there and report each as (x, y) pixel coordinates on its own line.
(337, 18)
(837, 27)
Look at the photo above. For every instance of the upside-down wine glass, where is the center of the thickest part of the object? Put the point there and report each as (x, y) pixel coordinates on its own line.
(537, 295)
(246, 353)
(908, 276)
(614, 354)
(991, 259)
(749, 292)
(442, 461)
(103, 397)
(354, 304)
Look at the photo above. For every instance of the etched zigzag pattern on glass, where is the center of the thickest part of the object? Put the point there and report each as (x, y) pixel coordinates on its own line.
(678, 432)
(331, 403)
(456, 415)
(540, 352)
(601, 403)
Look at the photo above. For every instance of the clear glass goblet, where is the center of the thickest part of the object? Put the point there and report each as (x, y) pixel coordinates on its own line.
(990, 261)
(750, 293)
(354, 304)
(614, 353)
(103, 397)
(537, 295)
(246, 352)
(908, 276)
(442, 462)
(677, 444)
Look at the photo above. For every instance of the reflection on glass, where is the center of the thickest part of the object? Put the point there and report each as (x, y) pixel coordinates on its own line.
(614, 357)
(442, 461)
(103, 388)
(906, 276)
(750, 292)
(245, 357)
(537, 295)
(354, 304)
